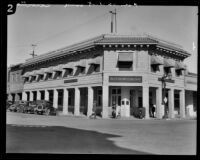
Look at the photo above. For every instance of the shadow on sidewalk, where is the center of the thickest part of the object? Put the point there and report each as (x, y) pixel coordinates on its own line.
(36, 139)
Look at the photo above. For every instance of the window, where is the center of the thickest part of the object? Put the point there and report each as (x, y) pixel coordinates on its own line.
(125, 61)
(59, 74)
(155, 68)
(49, 75)
(41, 77)
(82, 70)
(167, 70)
(178, 72)
(96, 67)
(33, 78)
(99, 97)
(125, 66)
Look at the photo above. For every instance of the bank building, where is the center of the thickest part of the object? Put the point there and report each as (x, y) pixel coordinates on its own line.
(125, 70)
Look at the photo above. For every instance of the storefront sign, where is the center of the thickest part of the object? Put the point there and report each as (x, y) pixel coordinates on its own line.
(70, 80)
(129, 79)
(167, 80)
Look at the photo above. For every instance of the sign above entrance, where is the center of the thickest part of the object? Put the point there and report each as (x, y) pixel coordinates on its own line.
(167, 80)
(70, 80)
(129, 79)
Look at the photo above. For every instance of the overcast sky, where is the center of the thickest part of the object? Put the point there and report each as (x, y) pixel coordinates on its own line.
(57, 26)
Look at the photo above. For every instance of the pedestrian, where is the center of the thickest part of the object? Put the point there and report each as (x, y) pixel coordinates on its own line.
(93, 115)
(153, 110)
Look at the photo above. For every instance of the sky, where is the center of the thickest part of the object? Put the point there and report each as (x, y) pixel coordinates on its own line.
(56, 26)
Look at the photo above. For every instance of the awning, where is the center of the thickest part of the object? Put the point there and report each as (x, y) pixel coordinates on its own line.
(125, 57)
(96, 60)
(169, 63)
(81, 63)
(68, 66)
(41, 71)
(155, 60)
(48, 70)
(179, 66)
(33, 73)
(58, 68)
(26, 74)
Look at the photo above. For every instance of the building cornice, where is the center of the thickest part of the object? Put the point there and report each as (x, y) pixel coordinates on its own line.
(106, 39)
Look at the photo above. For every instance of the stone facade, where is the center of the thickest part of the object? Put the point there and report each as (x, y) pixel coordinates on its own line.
(110, 70)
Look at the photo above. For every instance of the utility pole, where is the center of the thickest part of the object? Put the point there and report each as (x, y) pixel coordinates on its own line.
(113, 14)
(33, 54)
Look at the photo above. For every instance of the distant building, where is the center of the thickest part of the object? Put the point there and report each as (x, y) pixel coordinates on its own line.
(122, 70)
(14, 82)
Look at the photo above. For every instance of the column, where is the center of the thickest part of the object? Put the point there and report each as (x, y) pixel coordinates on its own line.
(158, 102)
(9, 97)
(171, 102)
(46, 95)
(31, 95)
(55, 98)
(182, 103)
(105, 92)
(38, 95)
(16, 97)
(77, 102)
(24, 96)
(90, 100)
(65, 101)
(145, 100)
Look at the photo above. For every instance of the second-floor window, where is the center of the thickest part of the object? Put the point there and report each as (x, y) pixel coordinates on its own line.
(178, 72)
(49, 75)
(125, 61)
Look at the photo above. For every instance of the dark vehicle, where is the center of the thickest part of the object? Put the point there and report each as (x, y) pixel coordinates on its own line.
(45, 107)
(139, 112)
(8, 104)
(17, 106)
(30, 108)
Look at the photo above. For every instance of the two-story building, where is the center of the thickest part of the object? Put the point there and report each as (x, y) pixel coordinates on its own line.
(14, 82)
(109, 70)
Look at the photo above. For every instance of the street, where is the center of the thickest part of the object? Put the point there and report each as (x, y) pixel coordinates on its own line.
(27, 133)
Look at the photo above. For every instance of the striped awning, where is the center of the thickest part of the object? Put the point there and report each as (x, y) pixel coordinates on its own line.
(169, 63)
(179, 66)
(68, 66)
(26, 74)
(125, 57)
(155, 60)
(81, 63)
(48, 70)
(96, 60)
(58, 68)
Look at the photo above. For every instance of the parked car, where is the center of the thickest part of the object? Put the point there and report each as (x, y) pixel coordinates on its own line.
(8, 104)
(45, 107)
(18, 106)
(30, 107)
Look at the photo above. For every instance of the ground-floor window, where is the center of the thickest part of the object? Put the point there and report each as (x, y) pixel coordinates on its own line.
(60, 100)
(115, 96)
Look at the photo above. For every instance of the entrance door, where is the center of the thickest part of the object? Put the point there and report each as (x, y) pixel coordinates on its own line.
(116, 96)
(132, 101)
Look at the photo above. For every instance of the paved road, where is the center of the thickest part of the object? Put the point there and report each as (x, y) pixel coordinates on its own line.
(58, 134)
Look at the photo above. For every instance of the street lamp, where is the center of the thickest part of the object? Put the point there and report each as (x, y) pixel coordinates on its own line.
(163, 80)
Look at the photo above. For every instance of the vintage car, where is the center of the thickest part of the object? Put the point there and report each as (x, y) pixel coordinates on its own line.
(18, 106)
(45, 107)
(8, 104)
(30, 108)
